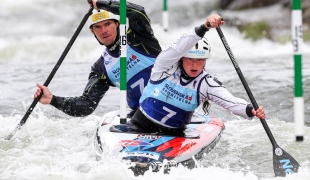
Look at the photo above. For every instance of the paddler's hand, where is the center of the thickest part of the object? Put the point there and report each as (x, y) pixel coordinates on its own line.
(260, 112)
(214, 21)
(94, 2)
(47, 95)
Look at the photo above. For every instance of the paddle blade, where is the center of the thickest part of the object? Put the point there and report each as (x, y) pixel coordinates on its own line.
(13, 132)
(283, 163)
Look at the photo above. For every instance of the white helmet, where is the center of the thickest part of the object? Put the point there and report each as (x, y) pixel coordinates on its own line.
(101, 15)
(201, 50)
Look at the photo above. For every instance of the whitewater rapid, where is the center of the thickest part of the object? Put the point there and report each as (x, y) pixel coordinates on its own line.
(52, 145)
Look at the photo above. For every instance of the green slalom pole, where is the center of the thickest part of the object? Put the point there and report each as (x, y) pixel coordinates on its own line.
(123, 62)
(165, 15)
(298, 90)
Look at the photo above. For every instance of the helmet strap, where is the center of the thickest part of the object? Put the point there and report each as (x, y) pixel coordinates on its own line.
(115, 46)
(183, 73)
(98, 40)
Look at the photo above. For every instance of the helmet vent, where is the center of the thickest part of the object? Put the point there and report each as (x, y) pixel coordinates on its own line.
(206, 42)
(196, 46)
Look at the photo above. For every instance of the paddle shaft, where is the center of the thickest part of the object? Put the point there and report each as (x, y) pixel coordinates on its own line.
(245, 85)
(50, 77)
(283, 163)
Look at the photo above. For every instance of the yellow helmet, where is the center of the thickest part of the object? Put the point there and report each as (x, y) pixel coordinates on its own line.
(101, 15)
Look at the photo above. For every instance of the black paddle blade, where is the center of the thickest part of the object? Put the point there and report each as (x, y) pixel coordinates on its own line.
(283, 163)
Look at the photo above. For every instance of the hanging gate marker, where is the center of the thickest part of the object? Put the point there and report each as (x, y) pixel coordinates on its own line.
(165, 15)
(298, 89)
(123, 62)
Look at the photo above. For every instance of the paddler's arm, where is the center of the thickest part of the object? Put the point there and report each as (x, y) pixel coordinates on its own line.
(140, 34)
(84, 105)
(168, 57)
(211, 89)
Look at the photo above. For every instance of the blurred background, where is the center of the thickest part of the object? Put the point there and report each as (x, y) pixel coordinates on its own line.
(53, 145)
(34, 34)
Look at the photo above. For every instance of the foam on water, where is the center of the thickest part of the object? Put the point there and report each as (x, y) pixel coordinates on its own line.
(49, 148)
(52, 145)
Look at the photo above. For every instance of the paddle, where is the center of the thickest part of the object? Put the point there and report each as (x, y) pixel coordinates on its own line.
(50, 77)
(283, 163)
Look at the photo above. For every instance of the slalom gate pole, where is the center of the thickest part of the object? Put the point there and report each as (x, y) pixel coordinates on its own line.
(165, 15)
(123, 62)
(298, 89)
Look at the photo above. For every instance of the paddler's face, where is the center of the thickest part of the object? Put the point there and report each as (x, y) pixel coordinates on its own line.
(193, 66)
(105, 31)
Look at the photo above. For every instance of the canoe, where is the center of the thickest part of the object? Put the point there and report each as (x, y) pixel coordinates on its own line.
(154, 151)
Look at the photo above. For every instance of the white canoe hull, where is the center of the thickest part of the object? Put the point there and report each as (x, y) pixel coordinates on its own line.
(153, 150)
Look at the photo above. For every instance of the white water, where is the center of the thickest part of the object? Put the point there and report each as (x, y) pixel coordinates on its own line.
(52, 145)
